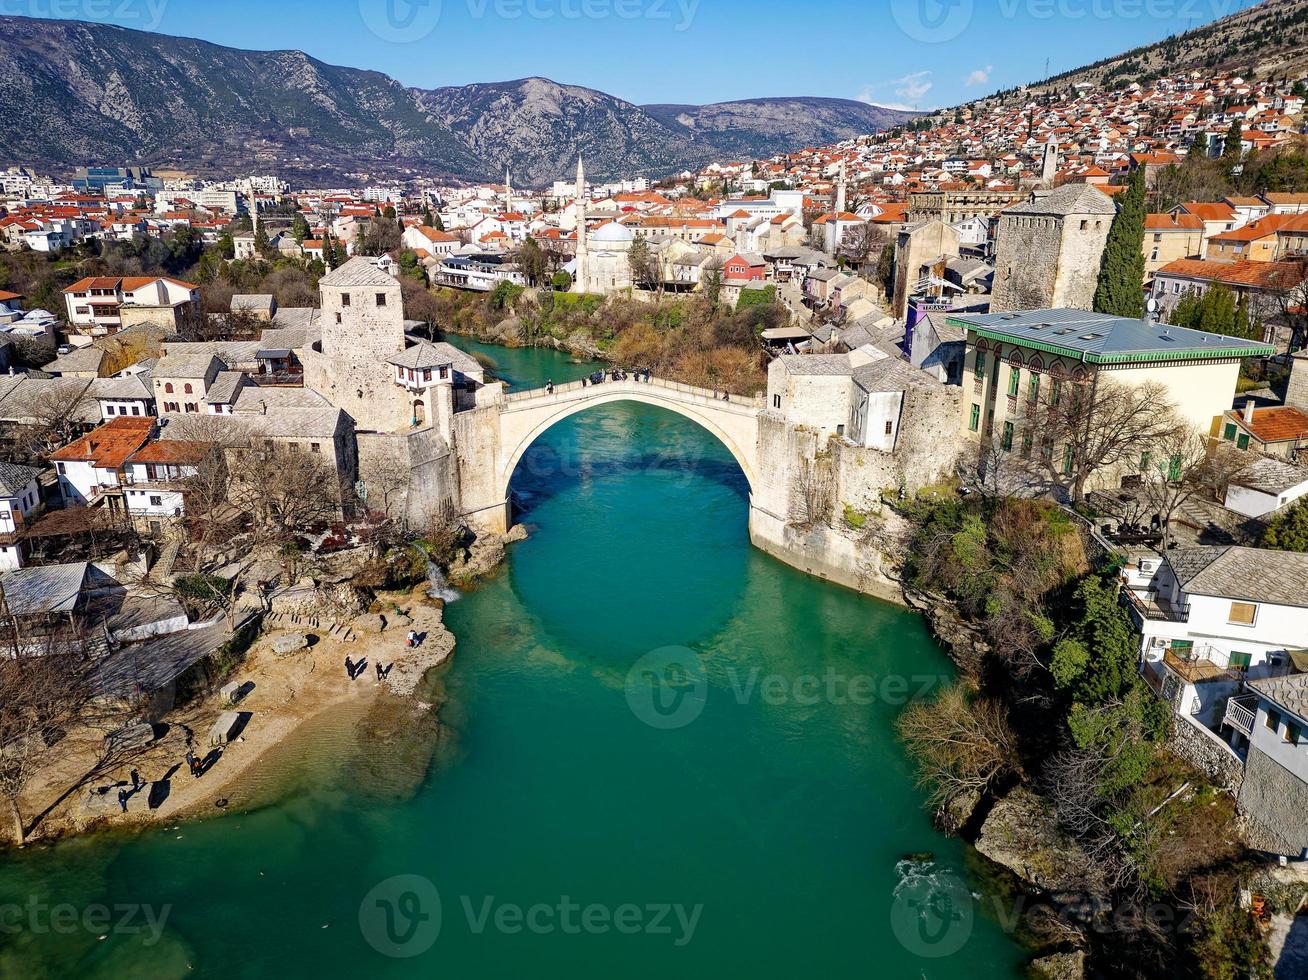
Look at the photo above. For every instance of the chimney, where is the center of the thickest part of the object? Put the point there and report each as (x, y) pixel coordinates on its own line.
(1248, 411)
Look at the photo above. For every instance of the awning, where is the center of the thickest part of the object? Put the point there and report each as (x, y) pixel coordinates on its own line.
(787, 333)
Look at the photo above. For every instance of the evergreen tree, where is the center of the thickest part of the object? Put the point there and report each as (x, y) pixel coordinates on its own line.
(438, 224)
(1232, 148)
(260, 241)
(300, 228)
(426, 216)
(1198, 149)
(1121, 274)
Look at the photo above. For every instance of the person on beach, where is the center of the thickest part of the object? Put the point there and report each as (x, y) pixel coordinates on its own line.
(549, 385)
(379, 671)
(583, 381)
(122, 800)
(136, 780)
(349, 667)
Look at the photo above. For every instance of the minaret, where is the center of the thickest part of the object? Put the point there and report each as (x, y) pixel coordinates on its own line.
(254, 211)
(1049, 170)
(840, 188)
(508, 190)
(583, 263)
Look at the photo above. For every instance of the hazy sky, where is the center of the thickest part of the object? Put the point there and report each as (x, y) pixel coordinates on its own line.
(922, 53)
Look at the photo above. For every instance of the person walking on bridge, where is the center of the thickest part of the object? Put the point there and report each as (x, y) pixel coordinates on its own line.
(549, 386)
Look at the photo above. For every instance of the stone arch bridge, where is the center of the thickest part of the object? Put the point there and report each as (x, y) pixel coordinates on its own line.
(491, 439)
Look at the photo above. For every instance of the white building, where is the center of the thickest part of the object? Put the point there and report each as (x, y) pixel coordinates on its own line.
(1213, 619)
(20, 495)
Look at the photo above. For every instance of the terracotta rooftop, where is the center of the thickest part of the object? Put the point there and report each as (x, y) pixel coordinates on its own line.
(1277, 424)
(108, 446)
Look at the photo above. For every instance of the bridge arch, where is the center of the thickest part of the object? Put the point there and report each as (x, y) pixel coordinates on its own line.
(735, 424)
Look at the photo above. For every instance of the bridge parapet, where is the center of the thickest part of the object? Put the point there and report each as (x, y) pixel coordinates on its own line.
(688, 393)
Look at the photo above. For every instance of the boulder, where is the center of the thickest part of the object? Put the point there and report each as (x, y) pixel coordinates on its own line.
(370, 623)
(1060, 966)
(955, 814)
(516, 533)
(1022, 834)
(289, 643)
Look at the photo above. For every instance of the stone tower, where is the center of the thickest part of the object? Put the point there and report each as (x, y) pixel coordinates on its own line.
(362, 328)
(582, 277)
(1049, 166)
(1049, 247)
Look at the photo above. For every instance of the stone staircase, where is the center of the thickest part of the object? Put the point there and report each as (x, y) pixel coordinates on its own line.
(329, 628)
(164, 567)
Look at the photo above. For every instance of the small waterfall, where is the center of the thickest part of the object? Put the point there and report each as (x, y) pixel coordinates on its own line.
(439, 588)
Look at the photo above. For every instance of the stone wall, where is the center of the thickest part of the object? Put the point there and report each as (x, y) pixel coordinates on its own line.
(1273, 800)
(1048, 261)
(1206, 752)
(413, 474)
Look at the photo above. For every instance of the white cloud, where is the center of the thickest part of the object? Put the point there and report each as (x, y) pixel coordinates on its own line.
(910, 89)
(979, 77)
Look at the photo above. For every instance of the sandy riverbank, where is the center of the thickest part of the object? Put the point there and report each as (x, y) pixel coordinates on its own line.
(286, 692)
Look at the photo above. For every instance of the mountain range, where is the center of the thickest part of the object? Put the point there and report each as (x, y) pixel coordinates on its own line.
(78, 93)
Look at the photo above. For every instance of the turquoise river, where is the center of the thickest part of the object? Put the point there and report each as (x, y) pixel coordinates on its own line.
(662, 754)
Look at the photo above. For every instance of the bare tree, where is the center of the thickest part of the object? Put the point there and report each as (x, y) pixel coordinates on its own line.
(1100, 425)
(961, 745)
(43, 693)
(815, 490)
(1185, 464)
(52, 420)
(286, 493)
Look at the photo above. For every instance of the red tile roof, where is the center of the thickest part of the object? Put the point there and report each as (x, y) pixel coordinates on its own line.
(1277, 424)
(108, 446)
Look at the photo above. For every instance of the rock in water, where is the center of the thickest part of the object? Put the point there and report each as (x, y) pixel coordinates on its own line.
(1022, 834)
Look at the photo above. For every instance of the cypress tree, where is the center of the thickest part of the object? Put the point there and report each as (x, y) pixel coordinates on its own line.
(1121, 274)
(1232, 148)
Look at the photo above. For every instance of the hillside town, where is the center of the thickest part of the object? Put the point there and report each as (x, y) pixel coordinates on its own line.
(1096, 299)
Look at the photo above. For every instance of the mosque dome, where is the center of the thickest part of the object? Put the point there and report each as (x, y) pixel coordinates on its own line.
(612, 232)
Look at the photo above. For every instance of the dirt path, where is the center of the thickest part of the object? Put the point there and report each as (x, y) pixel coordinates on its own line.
(288, 690)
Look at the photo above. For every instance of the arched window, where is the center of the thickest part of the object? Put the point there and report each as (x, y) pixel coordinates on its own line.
(168, 388)
(186, 388)
(1036, 363)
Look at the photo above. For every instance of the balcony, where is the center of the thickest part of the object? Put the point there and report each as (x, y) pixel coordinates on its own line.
(1241, 712)
(1149, 604)
(1197, 666)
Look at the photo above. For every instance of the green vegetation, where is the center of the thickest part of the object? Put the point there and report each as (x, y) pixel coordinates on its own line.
(756, 297)
(1123, 268)
(1288, 530)
(1217, 310)
(684, 338)
(1057, 702)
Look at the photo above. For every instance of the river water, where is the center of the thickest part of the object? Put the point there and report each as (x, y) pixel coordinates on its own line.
(664, 754)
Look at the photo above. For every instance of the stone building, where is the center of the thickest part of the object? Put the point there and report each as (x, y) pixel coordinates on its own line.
(953, 206)
(1048, 249)
(921, 252)
(362, 329)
